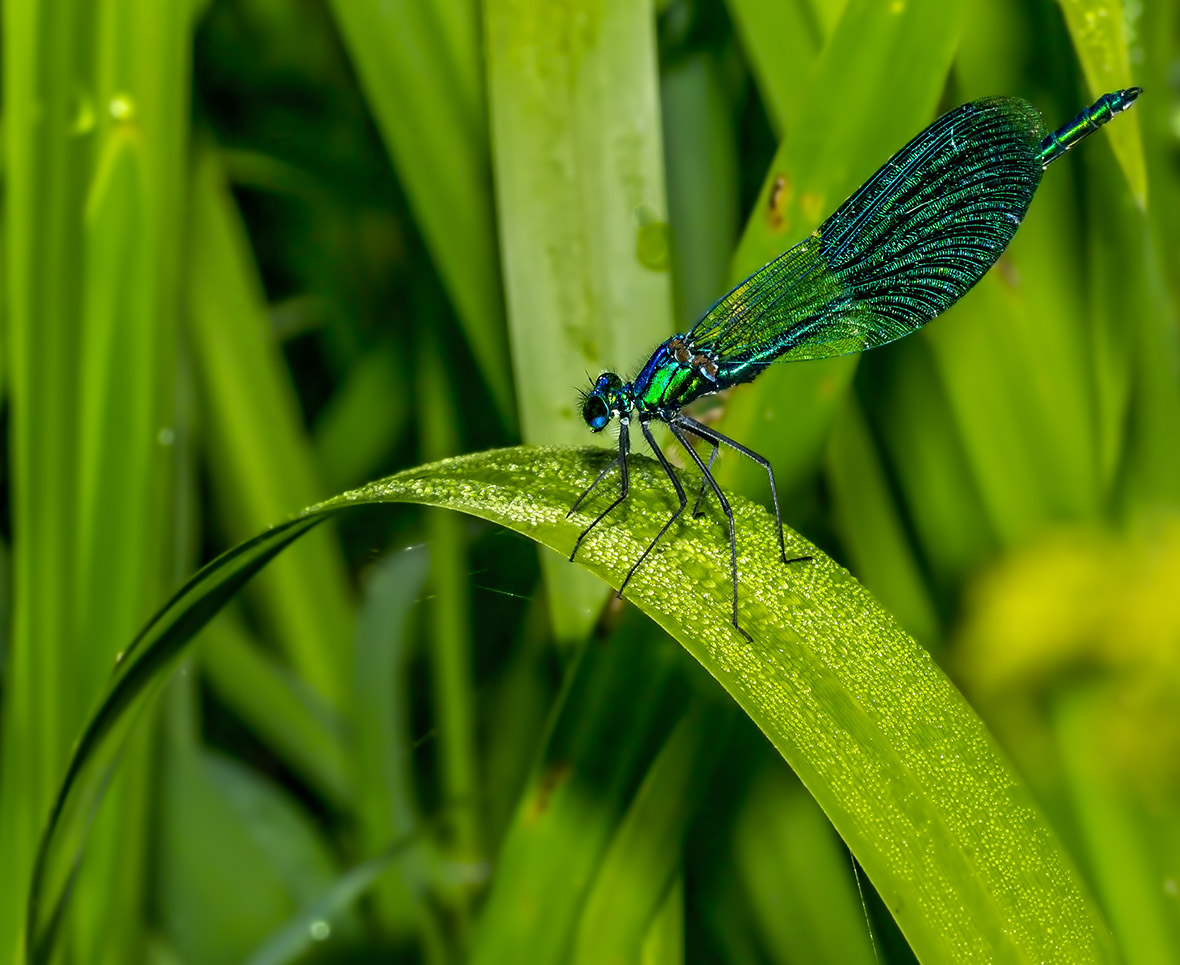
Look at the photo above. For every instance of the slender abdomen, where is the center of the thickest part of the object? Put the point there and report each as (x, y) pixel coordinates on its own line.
(1089, 119)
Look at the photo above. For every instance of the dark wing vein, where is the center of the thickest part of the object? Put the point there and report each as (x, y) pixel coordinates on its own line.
(904, 248)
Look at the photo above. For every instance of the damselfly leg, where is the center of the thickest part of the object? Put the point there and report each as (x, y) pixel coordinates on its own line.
(710, 435)
(624, 486)
(678, 432)
(651, 441)
(697, 512)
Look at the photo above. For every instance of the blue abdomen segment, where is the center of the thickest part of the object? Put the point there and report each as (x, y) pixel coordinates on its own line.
(1089, 119)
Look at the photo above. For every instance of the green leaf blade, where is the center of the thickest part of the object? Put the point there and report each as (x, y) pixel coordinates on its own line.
(895, 756)
(575, 130)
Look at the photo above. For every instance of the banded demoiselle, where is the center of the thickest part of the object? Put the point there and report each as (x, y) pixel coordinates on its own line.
(905, 247)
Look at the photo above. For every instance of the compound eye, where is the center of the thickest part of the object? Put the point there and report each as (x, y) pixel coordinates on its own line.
(595, 412)
(608, 382)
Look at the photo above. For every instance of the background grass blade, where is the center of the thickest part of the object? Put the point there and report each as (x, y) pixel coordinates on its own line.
(382, 719)
(451, 655)
(864, 503)
(574, 103)
(702, 159)
(420, 67)
(850, 123)
(877, 734)
(794, 869)
(316, 924)
(1117, 838)
(783, 40)
(264, 465)
(141, 670)
(664, 944)
(226, 825)
(96, 127)
(643, 862)
(295, 721)
(578, 794)
(1099, 32)
(46, 174)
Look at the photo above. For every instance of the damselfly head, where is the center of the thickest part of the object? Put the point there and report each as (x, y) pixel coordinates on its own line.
(602, 402)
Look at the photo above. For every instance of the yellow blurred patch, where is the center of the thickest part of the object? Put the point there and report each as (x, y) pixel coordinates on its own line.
(1084, 609)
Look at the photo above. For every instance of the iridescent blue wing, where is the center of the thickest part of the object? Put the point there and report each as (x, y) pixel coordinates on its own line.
(904, 248)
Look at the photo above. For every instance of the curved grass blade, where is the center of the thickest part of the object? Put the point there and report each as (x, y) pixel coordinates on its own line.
(140, 671)
(897, 759)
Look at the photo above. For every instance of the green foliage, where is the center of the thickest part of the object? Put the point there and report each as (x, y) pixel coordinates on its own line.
(255, 253)
(849, 700)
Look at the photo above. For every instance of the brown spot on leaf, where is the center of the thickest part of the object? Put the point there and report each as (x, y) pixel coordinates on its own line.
(780, 195)
(555, 775)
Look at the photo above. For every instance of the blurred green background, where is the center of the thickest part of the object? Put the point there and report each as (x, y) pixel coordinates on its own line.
(257, 252)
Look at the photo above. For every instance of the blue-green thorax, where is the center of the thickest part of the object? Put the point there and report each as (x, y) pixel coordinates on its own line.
(674, 376)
